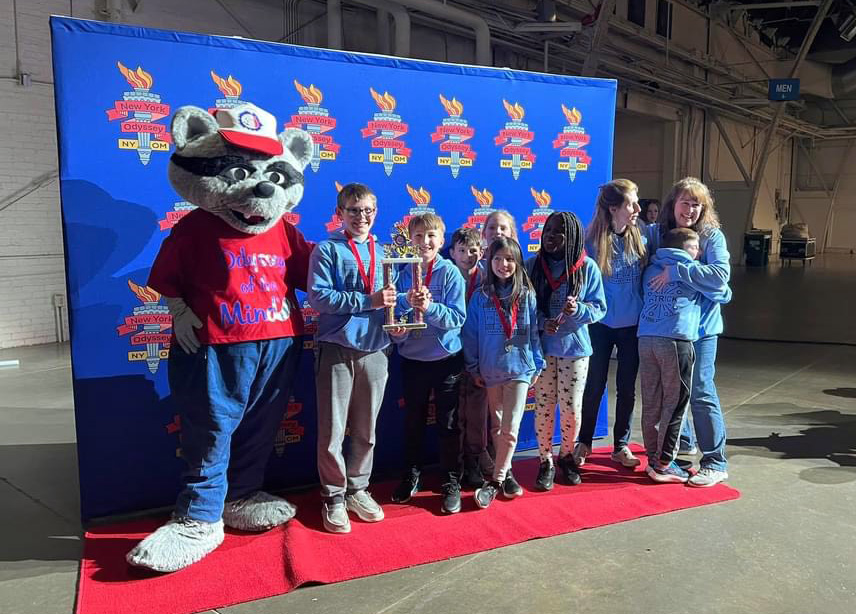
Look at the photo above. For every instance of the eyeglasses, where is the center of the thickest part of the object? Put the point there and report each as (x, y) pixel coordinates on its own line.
(357, 211)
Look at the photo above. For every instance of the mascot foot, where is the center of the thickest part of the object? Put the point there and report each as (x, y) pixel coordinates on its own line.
(177, 544)
(258, 512)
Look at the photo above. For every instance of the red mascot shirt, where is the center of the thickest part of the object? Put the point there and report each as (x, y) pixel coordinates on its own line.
(240, 286)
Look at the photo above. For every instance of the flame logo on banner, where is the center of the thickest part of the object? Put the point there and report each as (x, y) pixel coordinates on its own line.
(144, 293)
(542, 198)
(385, 102)
(573, 116)
(453, 107)
(484, 198)
(535, 222)
(515, 111)
(311, 94)
(228, 86)
(139, 78)
(420, 196)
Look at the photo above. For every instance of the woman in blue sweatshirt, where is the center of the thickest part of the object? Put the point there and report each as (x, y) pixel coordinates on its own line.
(502, 351)
(618, 247)
(690, 205)
(569, 294)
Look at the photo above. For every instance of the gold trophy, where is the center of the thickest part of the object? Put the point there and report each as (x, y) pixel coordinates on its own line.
(416, 267)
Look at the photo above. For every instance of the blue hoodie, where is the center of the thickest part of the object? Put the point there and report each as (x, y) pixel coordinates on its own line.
(336, 290)
(484, 341)
(711, 279)
(623, 289)
(674, 310)
(572, 339)
(445, 315)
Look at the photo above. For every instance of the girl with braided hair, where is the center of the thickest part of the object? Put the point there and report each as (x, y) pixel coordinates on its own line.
(569, 296)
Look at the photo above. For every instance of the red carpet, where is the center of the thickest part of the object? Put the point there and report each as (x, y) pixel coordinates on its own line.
(253, 566)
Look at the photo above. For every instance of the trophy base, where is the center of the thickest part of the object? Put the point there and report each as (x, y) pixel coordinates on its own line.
(406, 325)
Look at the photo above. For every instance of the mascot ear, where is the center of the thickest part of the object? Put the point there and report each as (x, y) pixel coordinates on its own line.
(299, 143)
(190, 123)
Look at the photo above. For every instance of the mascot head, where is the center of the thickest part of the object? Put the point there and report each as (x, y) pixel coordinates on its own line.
(233, 164)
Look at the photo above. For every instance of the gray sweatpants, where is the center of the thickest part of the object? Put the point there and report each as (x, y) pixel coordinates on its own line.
(349, 388)
(666, 372)
(507, 402)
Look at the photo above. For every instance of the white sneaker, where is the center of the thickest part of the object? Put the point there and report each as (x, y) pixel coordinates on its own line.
(625, 457)
(335, 518)
(708, 477)
(366, 508)
(581, 451)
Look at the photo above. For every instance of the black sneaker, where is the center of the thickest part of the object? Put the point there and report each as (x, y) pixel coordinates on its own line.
(473, 477)
(510, 487)
(569, 470)
(546, 475)
(487, 493)
(408, 487)
(451, 496)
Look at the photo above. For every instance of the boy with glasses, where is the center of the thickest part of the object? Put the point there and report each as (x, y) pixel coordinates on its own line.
(346, 288)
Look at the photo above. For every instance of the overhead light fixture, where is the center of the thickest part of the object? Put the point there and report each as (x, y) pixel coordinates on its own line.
(847, 27)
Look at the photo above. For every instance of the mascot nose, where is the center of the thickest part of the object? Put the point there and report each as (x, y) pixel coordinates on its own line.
(264, 189)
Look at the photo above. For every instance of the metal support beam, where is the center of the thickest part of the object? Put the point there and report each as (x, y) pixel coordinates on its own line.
(780, 109)
(831, 211)
(335, 40)
(813, 166)
(599, 35)
(747, 178)
(771, 5)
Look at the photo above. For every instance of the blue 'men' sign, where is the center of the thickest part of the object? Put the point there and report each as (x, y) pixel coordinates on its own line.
(784, 89)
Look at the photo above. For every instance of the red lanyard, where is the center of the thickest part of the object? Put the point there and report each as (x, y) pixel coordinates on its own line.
(368, 277)
(471, 287)
(555, 283)
(429, 273)
(507, 325)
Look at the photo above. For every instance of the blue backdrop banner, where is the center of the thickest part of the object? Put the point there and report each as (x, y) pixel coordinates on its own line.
(456, 140)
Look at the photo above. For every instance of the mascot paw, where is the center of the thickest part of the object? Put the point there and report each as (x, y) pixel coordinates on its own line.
(258, 512)
(177, 544)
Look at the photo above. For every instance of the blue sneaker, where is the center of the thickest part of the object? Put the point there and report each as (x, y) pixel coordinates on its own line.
(670, 474)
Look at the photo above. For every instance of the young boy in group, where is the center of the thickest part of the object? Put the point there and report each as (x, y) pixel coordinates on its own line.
(467, 250)
(431, 359)
(346, 288)
(668, 326)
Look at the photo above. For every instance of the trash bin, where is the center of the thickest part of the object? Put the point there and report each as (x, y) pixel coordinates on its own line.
(756, 247)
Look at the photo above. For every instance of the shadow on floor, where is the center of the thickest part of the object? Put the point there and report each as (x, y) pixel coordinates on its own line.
(829, 435)
(847, 393)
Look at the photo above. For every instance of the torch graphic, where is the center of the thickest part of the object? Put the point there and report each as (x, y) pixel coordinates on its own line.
(230, 88)
(154, 319)
(290, 430)
(516, 134)
(457, 130)
(484, 199)
(572, 139)
(390, 126)
(316, 120)
(335, 222)
(535, 222)
(142, 83)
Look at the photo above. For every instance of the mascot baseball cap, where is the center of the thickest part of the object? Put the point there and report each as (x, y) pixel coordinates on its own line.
(249, 127)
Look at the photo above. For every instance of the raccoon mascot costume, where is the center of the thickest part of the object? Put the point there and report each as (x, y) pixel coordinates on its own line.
(228, 272)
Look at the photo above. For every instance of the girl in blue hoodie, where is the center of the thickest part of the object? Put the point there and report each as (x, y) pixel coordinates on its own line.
(569, 293)
(502, 351)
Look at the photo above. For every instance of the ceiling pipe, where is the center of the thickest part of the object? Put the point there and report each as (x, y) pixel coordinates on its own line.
(401, 44)
(334, 24)
(458, 16)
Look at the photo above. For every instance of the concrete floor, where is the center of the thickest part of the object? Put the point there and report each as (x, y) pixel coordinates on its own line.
(786, 547)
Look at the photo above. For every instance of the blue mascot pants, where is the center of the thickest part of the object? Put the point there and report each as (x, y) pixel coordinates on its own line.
(231, 399)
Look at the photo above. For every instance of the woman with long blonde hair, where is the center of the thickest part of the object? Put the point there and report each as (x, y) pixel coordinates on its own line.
(690, 205)
(618, 248)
